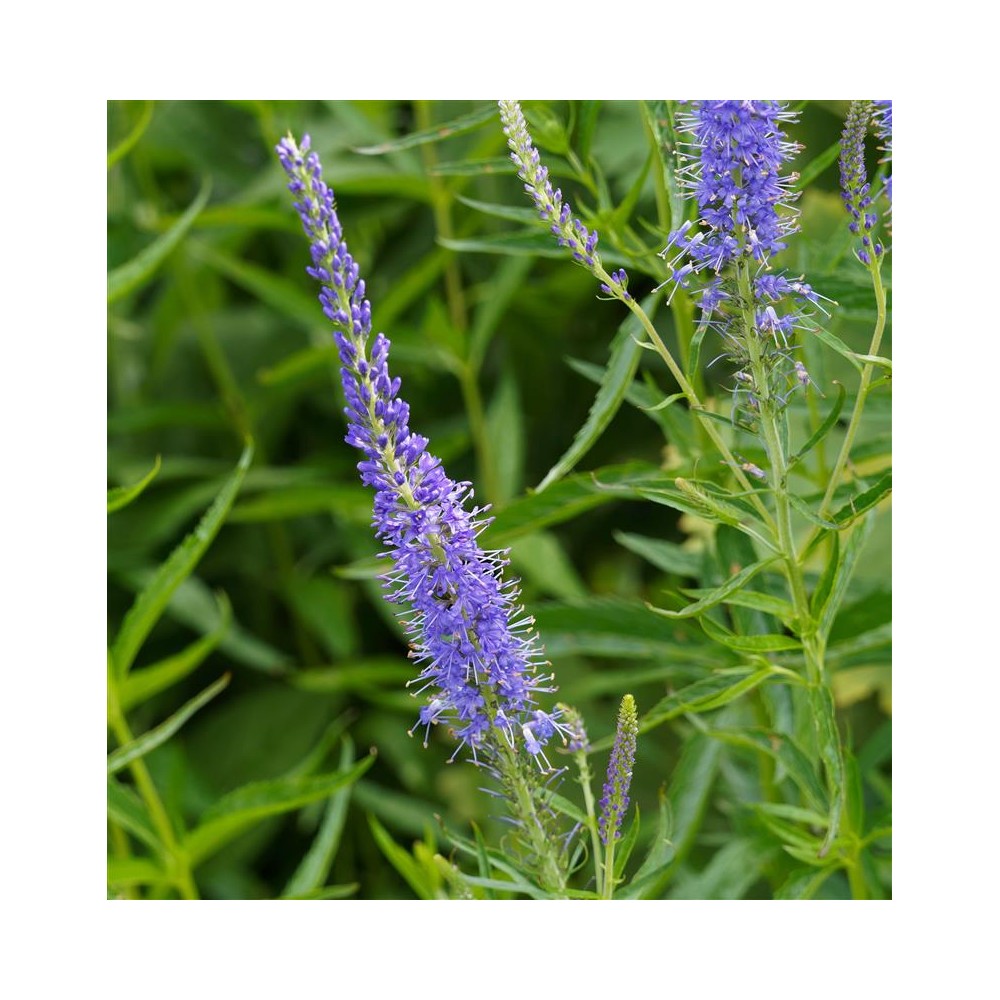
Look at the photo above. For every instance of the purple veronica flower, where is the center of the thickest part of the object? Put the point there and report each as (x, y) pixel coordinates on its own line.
(569, 231)
(854, 186)
(733, 172)
(478, 652)
(614, 801)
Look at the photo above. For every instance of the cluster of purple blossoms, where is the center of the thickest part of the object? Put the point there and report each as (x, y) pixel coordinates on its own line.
(478, 652)
(614, 800)
(733, 171)
(568, 230)
(854, 186)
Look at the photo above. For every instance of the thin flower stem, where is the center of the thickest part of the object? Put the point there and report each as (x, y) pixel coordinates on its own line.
(583, 766)
(866, 377)
(692, 397)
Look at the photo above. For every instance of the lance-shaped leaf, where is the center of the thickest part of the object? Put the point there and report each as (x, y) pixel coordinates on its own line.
(128, 277)
(155, 596)
(718, 595)
(149, 741)
(618, 375)
(121, 496)
(457, 126)
(242, 808)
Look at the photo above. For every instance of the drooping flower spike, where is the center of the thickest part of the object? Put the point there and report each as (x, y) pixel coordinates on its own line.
(478, 653)
(568, 230)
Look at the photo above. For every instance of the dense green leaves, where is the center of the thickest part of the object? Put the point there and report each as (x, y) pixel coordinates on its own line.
(751, 620)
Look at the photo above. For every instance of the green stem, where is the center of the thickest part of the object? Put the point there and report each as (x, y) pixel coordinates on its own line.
(609, 870)
(585, 776)
(866, 377)
(692, 397)
(176, 856)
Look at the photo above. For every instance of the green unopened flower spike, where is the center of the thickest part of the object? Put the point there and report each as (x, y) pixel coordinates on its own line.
(614, 802)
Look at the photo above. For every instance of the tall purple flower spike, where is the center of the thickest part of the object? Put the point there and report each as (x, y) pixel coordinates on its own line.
(733, 172)
(478, 652)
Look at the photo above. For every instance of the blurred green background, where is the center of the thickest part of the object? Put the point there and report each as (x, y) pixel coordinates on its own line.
(224, 339)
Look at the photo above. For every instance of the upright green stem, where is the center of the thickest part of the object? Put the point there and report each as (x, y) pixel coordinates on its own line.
(609, 870)
(866, 377)
(176, 856)
(583, 767)
(692, 397)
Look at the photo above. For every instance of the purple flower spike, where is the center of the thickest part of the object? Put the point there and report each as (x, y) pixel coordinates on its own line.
(734, 173)
(614, 801)
(477, 651)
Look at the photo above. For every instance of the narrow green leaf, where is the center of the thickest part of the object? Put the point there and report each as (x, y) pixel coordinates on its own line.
(299, 365)
(844, 571)
(618, 376)
(856, 506)
(694, 352)
(718, 595)
(127, 810)
(811, 516)
(149, 605)
(752, 599)
(505, 430)
(149, 741)
(569, 498)
(327, 892)
(824, 428)
(505, 283)
(457, 126)
(136, 272)
(121, 496)
(748, 643)
(526, 216)
(135, 871)
(413, 873)
(790, 757)
(831, 752)
(704, 695)
(803, 883)
(471, 168)
(279, 293)
(668, 556)
(816, 166)
(242, 808)
(125, 146)
(624, 848)
(140, 685)
(524, 242)
(313, 869)
(661, 854)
